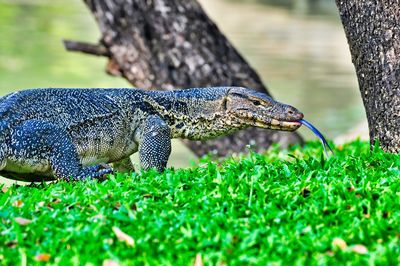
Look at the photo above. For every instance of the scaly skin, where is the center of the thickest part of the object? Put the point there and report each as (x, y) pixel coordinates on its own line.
(48, 134)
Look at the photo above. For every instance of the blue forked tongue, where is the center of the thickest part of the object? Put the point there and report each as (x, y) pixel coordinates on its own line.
(318, 134)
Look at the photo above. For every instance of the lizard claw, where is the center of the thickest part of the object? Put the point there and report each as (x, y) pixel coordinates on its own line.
(98, 171)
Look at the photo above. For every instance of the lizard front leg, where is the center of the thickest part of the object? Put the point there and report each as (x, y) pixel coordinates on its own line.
(154, 143)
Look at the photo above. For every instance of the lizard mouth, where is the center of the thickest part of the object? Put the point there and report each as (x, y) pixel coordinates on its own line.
(279, 125)
(291, 125)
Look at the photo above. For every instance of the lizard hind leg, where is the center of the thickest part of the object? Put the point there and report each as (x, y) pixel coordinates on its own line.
(44, 140)
(4, 132)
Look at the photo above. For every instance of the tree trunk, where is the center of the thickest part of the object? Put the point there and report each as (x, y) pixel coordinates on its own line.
(373, 33)
(168, 44)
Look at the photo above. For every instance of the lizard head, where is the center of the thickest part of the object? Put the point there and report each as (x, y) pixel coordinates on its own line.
(252, 108)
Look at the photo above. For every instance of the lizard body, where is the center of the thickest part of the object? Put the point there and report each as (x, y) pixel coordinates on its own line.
(48, 134)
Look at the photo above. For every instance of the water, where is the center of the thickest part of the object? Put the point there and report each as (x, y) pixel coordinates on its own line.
(300, 52)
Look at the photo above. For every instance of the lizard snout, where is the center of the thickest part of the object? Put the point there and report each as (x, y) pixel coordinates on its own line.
(283, 117)
(293, 114)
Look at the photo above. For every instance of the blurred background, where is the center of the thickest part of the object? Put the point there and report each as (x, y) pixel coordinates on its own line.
(298, 47)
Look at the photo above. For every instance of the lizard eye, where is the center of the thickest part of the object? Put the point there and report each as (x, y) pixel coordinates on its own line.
(256, 102)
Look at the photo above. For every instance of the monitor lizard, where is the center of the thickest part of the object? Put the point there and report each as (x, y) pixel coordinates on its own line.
(58, 133)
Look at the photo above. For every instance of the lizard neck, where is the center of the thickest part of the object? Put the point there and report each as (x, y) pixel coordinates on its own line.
(195, 114)
(201, 127)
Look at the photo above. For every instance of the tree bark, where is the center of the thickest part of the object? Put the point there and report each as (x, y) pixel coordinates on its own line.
(373, 33)
(168, 44)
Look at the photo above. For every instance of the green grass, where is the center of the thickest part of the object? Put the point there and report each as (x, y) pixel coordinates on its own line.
(289, 207)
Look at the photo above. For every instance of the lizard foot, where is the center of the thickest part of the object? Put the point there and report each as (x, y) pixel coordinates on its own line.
(98, 171)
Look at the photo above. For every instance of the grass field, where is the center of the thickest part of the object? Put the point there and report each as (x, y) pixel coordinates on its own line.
(284, 208)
